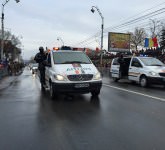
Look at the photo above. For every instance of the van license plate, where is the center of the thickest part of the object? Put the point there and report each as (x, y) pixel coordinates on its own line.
(81, 85)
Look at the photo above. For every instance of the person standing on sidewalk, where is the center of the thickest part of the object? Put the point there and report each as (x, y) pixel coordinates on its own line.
(40, 59)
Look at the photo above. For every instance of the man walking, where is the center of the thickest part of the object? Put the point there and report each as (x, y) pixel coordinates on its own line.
(40, 59)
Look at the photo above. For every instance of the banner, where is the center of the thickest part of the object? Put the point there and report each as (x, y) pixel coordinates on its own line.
(118, 42)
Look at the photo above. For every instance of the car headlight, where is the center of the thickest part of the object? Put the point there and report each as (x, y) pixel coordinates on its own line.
(97, 76)
(59, 77)
(153, 73)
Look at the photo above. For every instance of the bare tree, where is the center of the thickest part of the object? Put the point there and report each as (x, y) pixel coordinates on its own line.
(15, 40)
(9, 37)
(137, 38)
(155, 28)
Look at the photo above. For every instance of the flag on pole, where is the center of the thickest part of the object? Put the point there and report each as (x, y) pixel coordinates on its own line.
(151, 42)
(155, 41)
(146, 43)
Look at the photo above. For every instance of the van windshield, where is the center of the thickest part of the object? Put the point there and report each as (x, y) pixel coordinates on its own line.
(70, 57)
(151, 61)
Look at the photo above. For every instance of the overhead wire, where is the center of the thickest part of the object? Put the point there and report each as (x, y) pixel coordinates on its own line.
(127, 23)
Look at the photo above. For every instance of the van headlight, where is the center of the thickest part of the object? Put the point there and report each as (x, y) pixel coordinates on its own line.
(153, 73)
(59, 77)
(97, 76)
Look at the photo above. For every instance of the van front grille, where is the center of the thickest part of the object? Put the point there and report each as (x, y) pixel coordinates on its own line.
(80, 77)
(162, 74)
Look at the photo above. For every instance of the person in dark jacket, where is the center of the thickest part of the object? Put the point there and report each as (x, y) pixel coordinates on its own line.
(40, 59)
(122, 65)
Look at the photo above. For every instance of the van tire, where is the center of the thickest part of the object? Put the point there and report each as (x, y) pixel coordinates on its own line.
(95, 93)
(143, 81)
(115, 79)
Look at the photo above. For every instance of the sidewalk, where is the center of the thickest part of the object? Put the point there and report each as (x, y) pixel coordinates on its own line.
(7, 81)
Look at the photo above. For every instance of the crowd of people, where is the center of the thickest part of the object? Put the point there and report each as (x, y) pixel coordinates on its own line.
(152, 52)
(10, 68)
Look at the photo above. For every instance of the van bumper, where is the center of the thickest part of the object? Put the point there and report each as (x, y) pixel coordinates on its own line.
(156, 80)
(84, 87)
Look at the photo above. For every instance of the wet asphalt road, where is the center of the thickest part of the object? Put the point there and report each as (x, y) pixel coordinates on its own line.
(124, 117)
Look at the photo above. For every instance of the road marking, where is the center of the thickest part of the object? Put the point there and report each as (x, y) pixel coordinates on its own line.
(138, 93)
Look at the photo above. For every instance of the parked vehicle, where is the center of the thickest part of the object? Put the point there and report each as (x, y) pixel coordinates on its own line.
(143, 70)
(34, 67)
(70, 71)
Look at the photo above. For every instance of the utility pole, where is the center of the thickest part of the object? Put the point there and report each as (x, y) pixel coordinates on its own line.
(102, 29)
(2, 25)
(2, 30)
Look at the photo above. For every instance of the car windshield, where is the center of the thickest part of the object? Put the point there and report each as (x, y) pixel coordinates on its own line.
(151, 61)
(70, 57)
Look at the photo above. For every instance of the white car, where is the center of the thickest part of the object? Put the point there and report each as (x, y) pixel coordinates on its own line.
(34, 68)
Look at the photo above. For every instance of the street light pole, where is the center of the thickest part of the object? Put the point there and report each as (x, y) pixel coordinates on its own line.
(61, 40)
(2, 25)
(102, 28)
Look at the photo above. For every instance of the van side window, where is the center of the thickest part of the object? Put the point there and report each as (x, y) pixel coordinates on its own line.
(115, 62)
(136, 63)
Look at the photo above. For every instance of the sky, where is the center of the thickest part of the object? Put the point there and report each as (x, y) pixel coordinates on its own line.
(41, 22)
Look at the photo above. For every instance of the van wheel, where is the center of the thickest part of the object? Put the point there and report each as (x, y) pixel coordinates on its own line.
(115, 79)
(52, 92)
(95, 93)
(143, 81)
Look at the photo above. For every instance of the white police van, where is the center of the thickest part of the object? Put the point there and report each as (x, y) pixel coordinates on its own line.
(71, 71)
(143, 70)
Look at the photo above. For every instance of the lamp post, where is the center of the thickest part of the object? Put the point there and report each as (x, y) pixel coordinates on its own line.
(102, 28)
(60, 40)
(2, 25)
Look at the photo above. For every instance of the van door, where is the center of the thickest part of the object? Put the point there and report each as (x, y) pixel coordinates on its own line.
(47, 68)
(115, 68)
(134, 70)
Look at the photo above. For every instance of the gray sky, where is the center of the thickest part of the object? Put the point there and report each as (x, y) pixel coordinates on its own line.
(40, 22)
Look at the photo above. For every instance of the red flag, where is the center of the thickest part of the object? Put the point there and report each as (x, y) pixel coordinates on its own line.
(155, 41)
